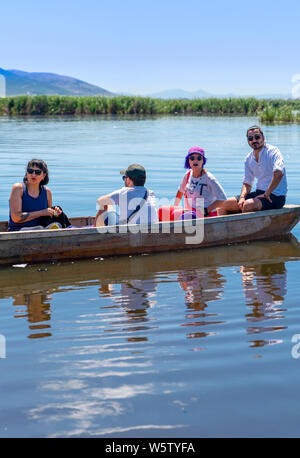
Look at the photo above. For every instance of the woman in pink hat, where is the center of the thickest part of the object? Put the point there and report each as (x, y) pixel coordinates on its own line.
(202, 192)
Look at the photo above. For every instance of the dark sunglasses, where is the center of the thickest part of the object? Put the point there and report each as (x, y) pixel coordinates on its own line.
(256, 136)
(124, 177)
(198, 158)
(36, 171)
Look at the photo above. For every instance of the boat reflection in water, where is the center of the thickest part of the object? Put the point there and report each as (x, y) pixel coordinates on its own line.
(36, 308)
(132, 286)
(201, 286)
(135, 297)
(265, 287)
(128, 345)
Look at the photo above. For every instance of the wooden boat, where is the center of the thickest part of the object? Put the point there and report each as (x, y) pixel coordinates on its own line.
(85, 242)
(42, 278)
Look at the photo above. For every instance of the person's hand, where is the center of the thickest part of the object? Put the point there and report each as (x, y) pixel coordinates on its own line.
(241, 203)
(48, 212)
(57, 212)
(265, 195)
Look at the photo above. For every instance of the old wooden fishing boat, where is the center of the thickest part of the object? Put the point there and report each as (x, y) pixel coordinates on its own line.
(49, 277)
(84, 241)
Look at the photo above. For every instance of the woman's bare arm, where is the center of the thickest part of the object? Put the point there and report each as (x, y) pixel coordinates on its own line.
(15, 204)
(178, 198)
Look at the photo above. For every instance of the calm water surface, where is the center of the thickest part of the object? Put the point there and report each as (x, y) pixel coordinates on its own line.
(186, 344)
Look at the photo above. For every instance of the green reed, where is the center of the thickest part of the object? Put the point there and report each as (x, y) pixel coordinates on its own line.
(283, 114)
(277, 110)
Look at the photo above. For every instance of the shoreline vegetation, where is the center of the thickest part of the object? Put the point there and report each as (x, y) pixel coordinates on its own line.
(268, 111)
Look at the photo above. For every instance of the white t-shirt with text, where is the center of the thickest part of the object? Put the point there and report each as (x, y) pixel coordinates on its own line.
(205, 187)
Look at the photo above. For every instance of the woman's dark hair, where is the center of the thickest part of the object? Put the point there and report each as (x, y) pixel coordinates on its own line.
(40, 165)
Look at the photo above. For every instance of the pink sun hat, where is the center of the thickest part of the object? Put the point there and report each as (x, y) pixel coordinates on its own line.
(197, 150)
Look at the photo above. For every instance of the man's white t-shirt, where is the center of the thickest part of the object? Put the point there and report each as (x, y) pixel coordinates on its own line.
(270, 159)
(129, 198)
(205, 187)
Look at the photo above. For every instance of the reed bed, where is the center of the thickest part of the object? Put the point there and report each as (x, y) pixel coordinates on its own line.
(277, 110)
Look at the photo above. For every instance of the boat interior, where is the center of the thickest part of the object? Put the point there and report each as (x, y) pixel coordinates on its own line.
(80, 221)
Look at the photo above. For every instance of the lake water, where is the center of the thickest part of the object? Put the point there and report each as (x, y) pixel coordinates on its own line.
(195, 344)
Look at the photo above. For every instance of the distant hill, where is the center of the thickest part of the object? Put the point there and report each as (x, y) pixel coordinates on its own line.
(200, 94)
(180, 94)
(19, 83)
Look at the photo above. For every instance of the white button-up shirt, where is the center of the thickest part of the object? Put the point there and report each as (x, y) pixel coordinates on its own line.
(270, 160)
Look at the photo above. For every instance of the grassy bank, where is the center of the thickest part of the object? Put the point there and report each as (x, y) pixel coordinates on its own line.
(268, 110)
(285, 114)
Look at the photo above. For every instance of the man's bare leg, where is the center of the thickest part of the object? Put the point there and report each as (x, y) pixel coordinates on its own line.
(99, 222)
(252, 205)
(229, 205)
(101, 215)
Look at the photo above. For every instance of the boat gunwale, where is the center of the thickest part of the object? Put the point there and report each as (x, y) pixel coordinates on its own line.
(153, 228)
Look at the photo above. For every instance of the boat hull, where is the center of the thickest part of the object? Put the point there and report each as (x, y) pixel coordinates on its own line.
(88, 242)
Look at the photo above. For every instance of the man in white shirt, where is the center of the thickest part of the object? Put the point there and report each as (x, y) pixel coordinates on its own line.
(265, 164)
(137, 205)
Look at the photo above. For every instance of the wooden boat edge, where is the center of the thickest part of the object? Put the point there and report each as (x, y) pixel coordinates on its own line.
(71, 244)
(155, 228)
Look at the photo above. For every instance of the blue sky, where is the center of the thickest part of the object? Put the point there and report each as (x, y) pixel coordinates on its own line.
(141, 46)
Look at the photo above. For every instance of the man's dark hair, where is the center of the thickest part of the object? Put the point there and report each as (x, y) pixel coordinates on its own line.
(136, 173)
(140, 181)
(253, 128)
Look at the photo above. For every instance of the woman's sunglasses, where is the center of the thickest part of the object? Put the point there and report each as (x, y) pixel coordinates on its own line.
(197, 158)
(257, 137)
(124, 177)
(36, 171)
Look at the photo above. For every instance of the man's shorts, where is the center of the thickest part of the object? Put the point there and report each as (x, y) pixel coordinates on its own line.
(277, 201)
